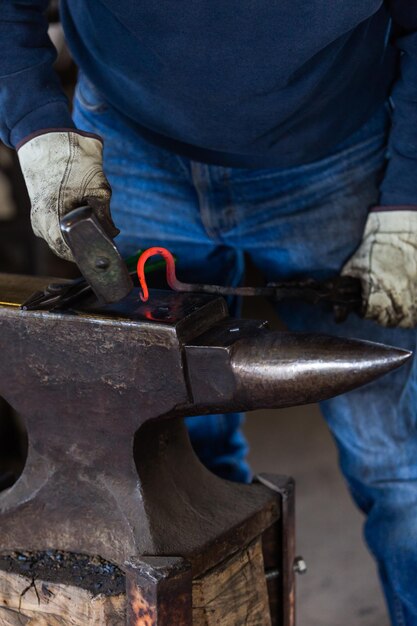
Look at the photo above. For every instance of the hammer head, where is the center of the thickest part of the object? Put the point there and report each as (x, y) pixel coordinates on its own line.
(96, 255)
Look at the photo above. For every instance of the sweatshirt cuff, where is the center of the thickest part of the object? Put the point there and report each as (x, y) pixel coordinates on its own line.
(54, 114)
(48, 131)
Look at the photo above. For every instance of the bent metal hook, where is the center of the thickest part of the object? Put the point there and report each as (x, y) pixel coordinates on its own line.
(178, 285)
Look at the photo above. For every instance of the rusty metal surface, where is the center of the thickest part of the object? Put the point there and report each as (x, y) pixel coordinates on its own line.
(104, 475)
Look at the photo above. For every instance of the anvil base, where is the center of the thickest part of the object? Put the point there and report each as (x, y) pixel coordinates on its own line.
(163, 590)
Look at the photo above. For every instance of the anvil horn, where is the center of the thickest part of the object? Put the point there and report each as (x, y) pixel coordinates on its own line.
(276, 369)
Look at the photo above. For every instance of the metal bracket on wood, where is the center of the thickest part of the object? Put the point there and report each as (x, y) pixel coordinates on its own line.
(159, 591)
(279, 551)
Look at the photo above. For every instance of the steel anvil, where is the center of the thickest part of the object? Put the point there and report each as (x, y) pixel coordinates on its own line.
(102, 390)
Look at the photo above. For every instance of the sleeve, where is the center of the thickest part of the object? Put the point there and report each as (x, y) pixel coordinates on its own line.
(399, 186)
(31, 98)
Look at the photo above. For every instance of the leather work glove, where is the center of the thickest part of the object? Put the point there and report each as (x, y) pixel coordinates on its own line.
(386, 264)
(63, 169)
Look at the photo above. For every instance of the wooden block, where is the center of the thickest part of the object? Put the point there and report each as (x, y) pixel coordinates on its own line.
(55, 604)
(232, 594)
(57, 588)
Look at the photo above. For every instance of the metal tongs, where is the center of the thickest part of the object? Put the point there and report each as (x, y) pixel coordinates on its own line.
(343, 293)
(106, 274)
(57, 295)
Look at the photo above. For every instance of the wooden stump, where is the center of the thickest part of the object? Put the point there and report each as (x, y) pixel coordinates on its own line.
(232, 594)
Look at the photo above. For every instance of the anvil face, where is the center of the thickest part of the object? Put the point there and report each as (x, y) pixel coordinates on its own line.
(101, 390)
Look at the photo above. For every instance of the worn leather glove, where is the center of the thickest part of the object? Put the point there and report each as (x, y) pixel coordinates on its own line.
(386, 264)
(63, 170)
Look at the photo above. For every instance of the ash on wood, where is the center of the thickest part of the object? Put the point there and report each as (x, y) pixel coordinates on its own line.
(55, 588)
(92, 574)
(58, 589)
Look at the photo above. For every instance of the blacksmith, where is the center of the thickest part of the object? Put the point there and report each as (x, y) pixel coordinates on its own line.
(284, 130)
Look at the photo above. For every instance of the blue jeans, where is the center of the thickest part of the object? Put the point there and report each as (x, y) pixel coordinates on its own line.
(300, 221)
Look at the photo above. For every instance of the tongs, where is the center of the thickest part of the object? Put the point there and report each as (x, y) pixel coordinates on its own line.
(343, 293)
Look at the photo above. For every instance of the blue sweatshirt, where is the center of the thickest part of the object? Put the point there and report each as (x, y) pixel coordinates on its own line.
(245, 83)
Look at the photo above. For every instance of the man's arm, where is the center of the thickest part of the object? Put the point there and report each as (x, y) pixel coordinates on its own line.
(62, 166)
(400, 183)
(386, 261)
(31, 98)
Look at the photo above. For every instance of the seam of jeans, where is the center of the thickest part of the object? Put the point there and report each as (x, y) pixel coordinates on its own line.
(399, 613)
(228, 217)
(398, 605)
(201, 180)
(184, 168)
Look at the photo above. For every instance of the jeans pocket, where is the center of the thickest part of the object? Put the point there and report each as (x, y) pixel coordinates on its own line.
(88, 96)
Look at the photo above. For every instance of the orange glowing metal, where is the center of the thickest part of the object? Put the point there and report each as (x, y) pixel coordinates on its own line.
(178, 285)
(172, 280)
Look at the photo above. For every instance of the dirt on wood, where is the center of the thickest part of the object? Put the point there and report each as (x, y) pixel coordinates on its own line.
(91, 573)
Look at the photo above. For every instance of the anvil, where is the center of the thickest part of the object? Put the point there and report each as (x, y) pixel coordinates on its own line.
(102, 391)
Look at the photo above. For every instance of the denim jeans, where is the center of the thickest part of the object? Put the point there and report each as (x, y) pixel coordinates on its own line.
(299, 221)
